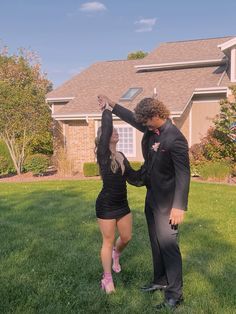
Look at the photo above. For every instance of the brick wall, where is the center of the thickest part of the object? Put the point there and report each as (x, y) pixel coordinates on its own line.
(80, 137)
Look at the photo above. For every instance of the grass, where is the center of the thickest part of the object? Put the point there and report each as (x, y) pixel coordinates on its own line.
(49, 252)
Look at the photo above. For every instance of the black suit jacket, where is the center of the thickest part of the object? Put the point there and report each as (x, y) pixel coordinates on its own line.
(168, 168)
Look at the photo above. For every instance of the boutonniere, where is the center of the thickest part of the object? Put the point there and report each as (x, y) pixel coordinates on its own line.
(155, 146)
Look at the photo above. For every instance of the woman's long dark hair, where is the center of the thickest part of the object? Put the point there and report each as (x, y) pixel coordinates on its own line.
(114, 163)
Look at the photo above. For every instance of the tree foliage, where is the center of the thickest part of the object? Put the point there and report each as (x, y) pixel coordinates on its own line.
(224, 131)
(24, 115)
(137, 55)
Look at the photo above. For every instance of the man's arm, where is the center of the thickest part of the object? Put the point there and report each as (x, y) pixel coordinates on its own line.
(180, 159)
(123, 113)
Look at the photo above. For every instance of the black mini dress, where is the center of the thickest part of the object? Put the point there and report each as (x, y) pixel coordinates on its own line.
(112, 201)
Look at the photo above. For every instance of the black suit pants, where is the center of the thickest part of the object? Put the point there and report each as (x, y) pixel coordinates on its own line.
(167, 260)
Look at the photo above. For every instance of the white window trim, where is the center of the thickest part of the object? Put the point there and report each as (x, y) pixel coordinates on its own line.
(117, 126)
(138, 91)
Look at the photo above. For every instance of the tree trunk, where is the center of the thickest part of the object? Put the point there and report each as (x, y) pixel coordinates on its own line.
(13, 155)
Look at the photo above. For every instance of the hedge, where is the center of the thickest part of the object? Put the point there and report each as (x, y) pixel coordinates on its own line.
(215, 170)
(91, 169)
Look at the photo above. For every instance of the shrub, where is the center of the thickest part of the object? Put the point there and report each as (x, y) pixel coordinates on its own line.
(196, 152)
(233, 170)
(37, 163)
(212, 147)
(215, 170)
(194, 168)
(3, 165)
(91, 169)
(6, 164)
(62, 163)
(136, 164)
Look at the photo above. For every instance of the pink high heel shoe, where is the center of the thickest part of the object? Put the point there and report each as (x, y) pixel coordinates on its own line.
(107, 283)
(116, 261)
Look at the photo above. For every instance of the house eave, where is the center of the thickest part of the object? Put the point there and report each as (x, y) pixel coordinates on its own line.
(228, 44)
(177, 65)
(94, 116)
(63, 117)
(53, 100)
(211, 90)
(175, 114)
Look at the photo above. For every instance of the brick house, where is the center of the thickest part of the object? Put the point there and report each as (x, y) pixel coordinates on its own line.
(190, 77)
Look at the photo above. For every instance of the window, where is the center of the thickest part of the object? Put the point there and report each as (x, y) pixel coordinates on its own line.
(131, 93)
(127, 138)
(126, 142)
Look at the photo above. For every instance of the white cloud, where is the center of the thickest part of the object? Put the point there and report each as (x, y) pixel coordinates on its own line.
(145, 25)
(92, 7)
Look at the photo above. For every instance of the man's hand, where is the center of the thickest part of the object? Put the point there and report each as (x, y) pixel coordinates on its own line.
(176, 216)
(104, 100)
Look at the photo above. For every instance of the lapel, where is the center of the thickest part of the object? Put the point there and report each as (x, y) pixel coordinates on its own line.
(161, 139)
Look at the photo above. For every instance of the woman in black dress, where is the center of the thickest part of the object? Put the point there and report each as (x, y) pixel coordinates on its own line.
(112, 209)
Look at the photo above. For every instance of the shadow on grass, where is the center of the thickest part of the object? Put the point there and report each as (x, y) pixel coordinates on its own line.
(209, 267)
(49, 261)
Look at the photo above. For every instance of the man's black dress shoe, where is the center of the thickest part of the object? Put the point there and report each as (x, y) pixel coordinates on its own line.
(170, 304)
(153, 287)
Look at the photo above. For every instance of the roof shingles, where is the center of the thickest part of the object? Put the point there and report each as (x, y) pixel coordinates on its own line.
(114, 78)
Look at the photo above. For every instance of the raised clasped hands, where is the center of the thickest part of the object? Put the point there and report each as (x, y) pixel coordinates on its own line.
(104, 101)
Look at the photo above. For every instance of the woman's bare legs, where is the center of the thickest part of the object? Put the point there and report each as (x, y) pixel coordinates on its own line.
(107, 228)
(124, 226)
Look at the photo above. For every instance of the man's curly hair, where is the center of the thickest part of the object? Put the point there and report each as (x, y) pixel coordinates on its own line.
(148, 108)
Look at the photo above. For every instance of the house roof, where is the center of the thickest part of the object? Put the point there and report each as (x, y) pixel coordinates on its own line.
(190, 50)
(174, 86)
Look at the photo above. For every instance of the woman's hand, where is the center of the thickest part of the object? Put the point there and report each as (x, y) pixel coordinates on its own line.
(104, 102)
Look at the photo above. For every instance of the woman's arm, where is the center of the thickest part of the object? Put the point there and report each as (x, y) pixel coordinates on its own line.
(103, 151)
(122, 112)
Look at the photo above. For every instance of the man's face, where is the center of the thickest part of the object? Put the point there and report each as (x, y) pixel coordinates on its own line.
(154, 123)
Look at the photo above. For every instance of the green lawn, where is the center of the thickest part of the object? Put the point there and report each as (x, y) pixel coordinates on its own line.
(49, 251)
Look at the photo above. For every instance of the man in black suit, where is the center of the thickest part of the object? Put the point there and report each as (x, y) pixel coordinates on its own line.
(167, 174)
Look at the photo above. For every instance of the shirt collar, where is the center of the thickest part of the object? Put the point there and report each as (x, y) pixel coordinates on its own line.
(164, 125)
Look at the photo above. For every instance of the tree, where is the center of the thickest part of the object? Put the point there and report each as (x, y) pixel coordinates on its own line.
(24, 115)
(137, 55)
(225, 127)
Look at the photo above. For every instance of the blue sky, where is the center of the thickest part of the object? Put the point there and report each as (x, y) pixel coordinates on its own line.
(70, 35)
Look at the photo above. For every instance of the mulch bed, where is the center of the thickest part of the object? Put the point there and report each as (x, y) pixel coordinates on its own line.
(29, 177)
